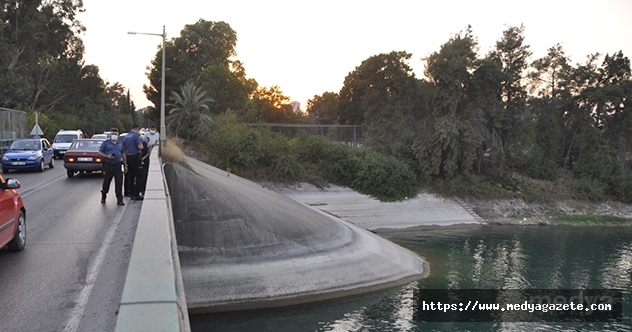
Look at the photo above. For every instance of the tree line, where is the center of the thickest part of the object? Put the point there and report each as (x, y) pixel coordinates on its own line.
(42, 70)
(204, 58)
(495, 115)
(500, 115)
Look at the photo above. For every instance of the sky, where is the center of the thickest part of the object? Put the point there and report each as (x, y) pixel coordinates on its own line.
(309, 47)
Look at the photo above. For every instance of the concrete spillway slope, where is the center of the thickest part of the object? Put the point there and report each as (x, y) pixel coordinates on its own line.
(243, 246)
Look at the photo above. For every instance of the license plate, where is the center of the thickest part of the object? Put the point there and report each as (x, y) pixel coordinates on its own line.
(84, 159)
(62, 152)
(17, 163)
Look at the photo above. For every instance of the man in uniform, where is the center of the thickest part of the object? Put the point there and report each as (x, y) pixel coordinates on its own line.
(113, 156)
(132, 148)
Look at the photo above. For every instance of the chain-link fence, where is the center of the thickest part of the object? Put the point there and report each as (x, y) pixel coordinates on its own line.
(12, 126)
(349, 134)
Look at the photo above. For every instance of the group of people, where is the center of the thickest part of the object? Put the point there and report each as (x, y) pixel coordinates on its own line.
(127, 161)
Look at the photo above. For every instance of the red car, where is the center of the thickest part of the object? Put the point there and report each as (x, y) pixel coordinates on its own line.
(12, 215)
(83, 156)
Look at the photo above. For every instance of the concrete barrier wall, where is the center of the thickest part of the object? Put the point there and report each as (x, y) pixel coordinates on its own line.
(153, 295)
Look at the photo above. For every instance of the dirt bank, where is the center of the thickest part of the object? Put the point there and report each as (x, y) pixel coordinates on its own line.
(517, 211)
(428, 209)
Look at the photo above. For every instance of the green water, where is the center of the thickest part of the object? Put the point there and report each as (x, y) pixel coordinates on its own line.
(468, 258)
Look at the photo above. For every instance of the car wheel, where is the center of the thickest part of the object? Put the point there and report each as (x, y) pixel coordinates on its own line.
(41, 166)
(70, 173)
(52, 163)
(5, 170)
(19, 240)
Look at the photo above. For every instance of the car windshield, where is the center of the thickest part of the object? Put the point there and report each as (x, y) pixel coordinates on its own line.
(86, 144)
(25, 145)
(64, 138)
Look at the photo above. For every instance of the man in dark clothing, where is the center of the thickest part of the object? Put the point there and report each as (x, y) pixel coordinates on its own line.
(144, 166)
(113, 156)
(132, 147)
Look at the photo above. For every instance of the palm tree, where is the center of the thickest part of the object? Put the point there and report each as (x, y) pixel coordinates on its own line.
(188, 115)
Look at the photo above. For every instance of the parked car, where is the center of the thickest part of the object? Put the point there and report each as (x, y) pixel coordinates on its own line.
(83, 156)
(28, 153)
(12, 215)
(100, 136)
(63, 139)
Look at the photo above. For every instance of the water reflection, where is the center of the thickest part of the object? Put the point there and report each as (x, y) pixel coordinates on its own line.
(480, 258)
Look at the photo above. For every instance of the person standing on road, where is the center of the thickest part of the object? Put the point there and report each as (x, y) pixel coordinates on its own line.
(144, 166)
(113, 156)
(132, 147)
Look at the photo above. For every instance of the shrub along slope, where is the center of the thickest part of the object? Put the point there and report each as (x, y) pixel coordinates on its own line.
(262, 154)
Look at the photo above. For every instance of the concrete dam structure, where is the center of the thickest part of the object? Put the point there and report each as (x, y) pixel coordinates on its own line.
(242, 246)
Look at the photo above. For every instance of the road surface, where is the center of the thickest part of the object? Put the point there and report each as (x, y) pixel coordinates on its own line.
(70, 276)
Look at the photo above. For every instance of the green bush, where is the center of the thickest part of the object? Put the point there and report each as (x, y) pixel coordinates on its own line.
(626, 191)
(339, 164)
(533, 193)
(252, 152)
(310, 149)
(473, 186)
(589, 189)
(273, 147)
(233, 145)
(385, 177)
(288, 168)
(260, 153)
(248, 149)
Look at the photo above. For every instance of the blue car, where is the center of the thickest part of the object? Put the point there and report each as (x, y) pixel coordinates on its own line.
(28, 153)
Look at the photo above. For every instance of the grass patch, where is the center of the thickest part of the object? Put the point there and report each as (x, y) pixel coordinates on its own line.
(470, 187)
(172, 152)
(588, 219)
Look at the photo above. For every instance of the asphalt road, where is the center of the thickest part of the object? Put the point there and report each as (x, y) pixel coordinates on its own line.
(70, 276)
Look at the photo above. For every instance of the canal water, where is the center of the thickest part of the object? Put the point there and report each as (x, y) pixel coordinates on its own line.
(508, 257)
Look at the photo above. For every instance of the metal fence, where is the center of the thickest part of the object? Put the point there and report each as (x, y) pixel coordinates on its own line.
(350, 134)
(12, 126)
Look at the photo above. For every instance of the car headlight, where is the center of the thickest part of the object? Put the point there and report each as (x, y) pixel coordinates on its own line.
(54, 146)
(34, 157)
(5, 158)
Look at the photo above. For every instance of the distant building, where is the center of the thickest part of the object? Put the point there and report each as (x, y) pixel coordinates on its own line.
(296, 106)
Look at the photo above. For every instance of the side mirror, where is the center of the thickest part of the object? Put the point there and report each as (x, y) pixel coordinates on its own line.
(12, 184)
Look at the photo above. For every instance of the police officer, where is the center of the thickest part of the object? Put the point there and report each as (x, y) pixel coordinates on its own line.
(141, 181)
(113, 156)
(132, 147)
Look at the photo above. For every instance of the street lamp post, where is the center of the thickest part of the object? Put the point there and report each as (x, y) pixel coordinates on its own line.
(163, 131)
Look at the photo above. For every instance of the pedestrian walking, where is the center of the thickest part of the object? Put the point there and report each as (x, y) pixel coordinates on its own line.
(114, 165)
(132, 147)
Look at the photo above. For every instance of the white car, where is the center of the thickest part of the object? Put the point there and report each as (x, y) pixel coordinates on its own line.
(62, 141)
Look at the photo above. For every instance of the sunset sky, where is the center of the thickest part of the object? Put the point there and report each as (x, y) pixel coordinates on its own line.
(309, 47)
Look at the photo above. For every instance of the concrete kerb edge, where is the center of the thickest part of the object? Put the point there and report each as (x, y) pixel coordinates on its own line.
(135, 297)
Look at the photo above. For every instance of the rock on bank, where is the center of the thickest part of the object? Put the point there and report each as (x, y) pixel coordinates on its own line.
(243, 246)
